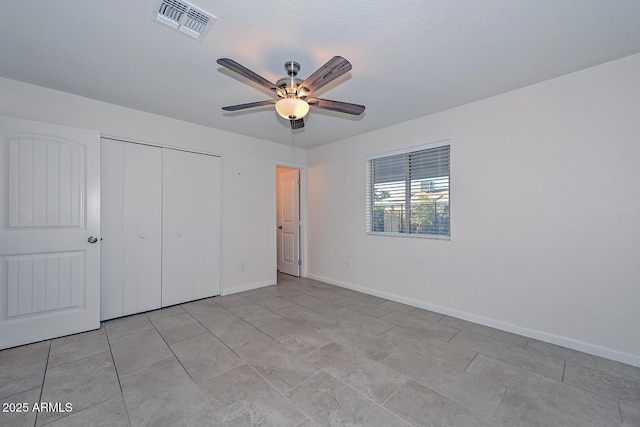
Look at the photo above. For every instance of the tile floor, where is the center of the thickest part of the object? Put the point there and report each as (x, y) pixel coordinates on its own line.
(305, 353)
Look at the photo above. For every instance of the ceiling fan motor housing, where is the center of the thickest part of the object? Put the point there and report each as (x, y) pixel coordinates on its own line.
(291, 83)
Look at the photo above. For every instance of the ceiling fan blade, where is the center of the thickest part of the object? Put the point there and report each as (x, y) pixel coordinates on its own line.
(330, 71)
(247, 73)
(342, 107)
(297, 124)
(249, 105)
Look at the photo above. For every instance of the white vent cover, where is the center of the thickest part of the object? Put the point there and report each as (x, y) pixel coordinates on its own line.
(183, 17)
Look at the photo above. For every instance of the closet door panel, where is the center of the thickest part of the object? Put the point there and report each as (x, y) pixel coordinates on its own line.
(112, 212)
(206, 254)
(178, 227)
(142, 228)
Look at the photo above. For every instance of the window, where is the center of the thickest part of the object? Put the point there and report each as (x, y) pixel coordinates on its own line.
(408, 191)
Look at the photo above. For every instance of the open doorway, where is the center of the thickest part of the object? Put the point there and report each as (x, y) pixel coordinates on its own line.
(288, 220)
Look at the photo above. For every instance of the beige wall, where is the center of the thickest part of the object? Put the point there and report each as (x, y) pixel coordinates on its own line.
(545, 213)
(248, 169)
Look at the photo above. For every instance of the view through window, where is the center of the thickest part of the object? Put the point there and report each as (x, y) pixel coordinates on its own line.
(408, 192)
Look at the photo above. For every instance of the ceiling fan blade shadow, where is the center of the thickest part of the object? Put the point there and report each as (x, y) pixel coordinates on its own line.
(247, 73)
(297, 124)
(342, 107)
(330, 71)
(249, 105)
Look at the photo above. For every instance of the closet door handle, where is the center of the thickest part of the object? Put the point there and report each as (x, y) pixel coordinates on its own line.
(179, 234)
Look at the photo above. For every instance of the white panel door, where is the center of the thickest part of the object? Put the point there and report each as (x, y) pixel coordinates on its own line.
(132, 228)
(288, 217)
(49, 214)
(178, 227)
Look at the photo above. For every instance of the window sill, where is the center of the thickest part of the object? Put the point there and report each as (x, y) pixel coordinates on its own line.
(413, 235)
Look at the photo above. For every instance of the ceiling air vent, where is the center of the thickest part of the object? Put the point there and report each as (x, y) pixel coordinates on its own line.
(183, 17)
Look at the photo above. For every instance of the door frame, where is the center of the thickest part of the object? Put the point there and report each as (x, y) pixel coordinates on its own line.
(303, 216)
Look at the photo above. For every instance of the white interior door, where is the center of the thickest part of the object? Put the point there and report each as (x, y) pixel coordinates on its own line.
(288, 218)
(49, 215)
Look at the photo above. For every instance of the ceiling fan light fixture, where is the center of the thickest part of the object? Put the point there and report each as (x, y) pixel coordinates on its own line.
(292, 108)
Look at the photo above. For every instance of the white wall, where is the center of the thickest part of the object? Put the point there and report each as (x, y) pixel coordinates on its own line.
(545, 213)
(248, 165)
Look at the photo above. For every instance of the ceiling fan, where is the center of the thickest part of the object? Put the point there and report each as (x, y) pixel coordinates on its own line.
(294, 93)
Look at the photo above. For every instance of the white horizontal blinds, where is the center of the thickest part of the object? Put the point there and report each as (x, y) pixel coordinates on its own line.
(388, 194)
(409, 192)
(429, 199)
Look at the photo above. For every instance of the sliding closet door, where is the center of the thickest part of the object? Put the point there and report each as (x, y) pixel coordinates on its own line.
(207, 218)
(178, 227)
(142, 228)
(191, 226)
(131, 229)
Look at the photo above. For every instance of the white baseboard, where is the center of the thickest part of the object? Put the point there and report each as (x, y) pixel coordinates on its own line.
(248, 287)
(593, 349)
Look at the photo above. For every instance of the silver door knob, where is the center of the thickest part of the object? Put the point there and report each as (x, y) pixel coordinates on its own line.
(92, 239)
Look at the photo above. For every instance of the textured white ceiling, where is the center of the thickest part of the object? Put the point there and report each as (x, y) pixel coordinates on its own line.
(410, 58)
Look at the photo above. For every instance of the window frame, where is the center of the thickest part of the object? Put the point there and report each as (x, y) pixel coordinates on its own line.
(369, 190)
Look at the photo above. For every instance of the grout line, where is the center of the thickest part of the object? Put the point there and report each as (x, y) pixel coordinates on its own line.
(44, 376)
(470, 362)
(504, 393)
(455, 335)
(396, 390)
(620, 412)
(369, 398)
(281, 393)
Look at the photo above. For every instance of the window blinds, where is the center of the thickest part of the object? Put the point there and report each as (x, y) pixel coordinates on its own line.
(408, 191)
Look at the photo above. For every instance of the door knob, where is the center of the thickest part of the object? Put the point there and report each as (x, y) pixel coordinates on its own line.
(279, 227)
(92, 239)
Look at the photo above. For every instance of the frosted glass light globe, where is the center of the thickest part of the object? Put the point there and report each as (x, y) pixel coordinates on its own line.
(292, 108)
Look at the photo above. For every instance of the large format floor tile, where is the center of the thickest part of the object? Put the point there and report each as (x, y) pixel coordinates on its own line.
(122, 326)
(178, 327)
(112, 413)
(281, 367)
(78, 346)
(81, 383)
(241, 397)
(544, 365)
(25, 416)
(330, 402)
(22, 368)
(374, 380)
(423, 407)
(138, 350)
(235, 332)
(304, 353)
(550, 402)
(205, 357)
